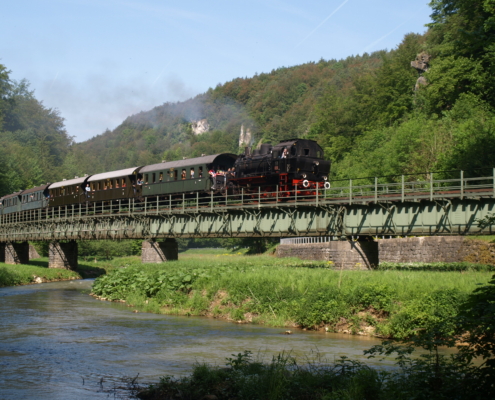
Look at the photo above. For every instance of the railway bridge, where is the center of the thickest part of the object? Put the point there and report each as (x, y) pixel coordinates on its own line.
(348, 208)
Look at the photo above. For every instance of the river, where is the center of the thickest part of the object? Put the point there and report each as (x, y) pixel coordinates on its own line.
(57, 342)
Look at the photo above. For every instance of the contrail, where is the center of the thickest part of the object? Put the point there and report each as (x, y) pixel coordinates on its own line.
(325, 20)
(53, 81)
(160, 74)
(392, 31)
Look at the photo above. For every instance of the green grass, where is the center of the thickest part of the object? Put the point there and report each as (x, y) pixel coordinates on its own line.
(245, 378)
(292, 292)
(485, 238)
(210, 251)
(24, 274)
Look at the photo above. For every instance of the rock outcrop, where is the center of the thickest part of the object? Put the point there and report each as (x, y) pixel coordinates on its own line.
(199, 127)
(246, 137)
(421, 64)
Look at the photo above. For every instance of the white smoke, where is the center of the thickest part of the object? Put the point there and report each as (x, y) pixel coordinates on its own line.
(102, 103)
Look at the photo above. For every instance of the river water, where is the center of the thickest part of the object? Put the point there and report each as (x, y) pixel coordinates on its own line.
(57, 342)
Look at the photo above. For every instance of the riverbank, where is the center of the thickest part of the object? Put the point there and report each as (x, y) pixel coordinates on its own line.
(37, 271)
(292, 293)
(246, 378)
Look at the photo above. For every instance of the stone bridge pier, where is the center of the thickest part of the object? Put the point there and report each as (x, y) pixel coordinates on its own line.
(345, 254)
(63, 255)
(158, 252)
(16, 253)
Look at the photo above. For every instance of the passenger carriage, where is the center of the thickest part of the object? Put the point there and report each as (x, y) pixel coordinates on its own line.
(67, 192)
(115, 185)
(11, 203)
(188, 176)
(34, 198)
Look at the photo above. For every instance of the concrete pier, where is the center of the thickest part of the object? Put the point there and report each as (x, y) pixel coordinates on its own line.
(158, 252)
(63, 255)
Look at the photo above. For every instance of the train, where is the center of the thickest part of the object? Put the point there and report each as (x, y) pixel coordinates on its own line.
(295, 165)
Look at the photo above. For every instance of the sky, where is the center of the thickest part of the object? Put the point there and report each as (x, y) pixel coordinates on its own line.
(100, 61)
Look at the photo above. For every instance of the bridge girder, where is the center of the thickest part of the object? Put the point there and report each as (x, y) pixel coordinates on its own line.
(438, 217)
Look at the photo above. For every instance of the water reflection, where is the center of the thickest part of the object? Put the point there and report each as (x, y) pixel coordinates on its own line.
(56, 342)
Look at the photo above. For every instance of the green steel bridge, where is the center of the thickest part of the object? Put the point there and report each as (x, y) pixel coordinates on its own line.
(347, 208)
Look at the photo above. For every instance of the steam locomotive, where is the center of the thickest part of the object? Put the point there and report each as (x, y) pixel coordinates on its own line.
(290, 166)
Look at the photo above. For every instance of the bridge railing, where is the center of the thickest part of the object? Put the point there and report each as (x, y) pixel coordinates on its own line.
(340, 192)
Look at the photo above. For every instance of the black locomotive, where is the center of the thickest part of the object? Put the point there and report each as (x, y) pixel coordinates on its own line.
(291, 165)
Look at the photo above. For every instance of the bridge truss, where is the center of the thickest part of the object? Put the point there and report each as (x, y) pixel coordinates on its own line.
(427, 207)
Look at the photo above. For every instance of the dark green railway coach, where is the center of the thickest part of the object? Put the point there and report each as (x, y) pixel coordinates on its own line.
(114, 185)
(11, 203)
(34, 198)
(187, 176)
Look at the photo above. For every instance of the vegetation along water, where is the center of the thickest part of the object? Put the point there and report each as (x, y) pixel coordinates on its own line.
(420, 305)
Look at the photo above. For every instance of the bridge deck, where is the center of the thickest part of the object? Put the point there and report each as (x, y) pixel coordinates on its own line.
(447, 206)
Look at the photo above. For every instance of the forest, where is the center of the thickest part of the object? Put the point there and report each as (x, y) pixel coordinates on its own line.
(370, 112)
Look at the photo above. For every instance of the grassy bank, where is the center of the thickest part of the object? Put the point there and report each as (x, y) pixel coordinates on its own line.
(37, 271)
(291, 292)
(245, 378)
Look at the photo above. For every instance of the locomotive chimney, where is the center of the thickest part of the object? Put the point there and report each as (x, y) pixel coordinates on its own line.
(247, 151)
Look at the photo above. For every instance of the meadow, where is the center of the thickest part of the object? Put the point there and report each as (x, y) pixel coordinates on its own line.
(390, 303)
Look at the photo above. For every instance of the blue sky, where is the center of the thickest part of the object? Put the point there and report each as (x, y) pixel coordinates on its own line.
(99, 61)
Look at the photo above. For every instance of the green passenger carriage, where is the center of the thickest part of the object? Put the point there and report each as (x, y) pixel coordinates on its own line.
(114, 185)
(187, 176)
(34, 198)
(11, 203)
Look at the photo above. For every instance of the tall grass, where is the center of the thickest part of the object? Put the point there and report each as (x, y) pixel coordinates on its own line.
(292, 292)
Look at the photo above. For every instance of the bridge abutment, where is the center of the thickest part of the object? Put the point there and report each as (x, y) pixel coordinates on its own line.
(342, 253)
(63, 255)
(158, 252)
(366, 255)
(16, 253)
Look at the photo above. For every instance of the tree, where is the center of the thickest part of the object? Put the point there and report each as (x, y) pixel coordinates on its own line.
(477, 324)
(5, 99)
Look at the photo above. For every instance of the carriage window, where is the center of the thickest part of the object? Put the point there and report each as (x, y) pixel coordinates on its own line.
(275, 154)
(153, 179)
(293, 150)
(161, 176)
(318, 154)
(175, 175)
(123, 183)
(200, 174)
(110, 184)
(306, 152)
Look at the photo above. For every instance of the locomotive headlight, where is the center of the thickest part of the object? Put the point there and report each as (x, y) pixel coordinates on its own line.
(325, 178)
(317, 163)
(304, 176)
